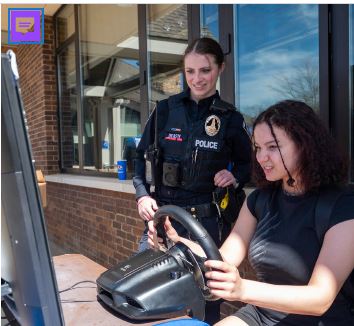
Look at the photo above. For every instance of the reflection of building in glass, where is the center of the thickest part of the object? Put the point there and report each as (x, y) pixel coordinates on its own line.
(167, 40)
(168, 22)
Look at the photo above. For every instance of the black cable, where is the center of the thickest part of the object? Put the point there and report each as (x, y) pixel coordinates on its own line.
(73, 286)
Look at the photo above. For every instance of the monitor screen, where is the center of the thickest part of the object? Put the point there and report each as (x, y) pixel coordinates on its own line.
(29, 289)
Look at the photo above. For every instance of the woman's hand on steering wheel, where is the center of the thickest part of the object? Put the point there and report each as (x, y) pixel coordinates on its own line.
(224, 280)
(169, 229)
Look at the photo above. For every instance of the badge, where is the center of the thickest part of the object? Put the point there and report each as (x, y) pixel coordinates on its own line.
(212, 125)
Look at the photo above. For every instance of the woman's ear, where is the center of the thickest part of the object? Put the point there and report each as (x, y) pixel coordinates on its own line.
(222, 67)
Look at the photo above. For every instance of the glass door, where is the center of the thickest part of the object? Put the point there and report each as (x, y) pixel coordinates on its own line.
(167, 38)
(276, 56)
(111, 89)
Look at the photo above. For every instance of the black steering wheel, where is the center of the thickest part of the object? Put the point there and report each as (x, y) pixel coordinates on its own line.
(193, 226)
(200, 235)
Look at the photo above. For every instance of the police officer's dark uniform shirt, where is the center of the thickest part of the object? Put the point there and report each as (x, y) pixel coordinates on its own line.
(236, 136)
(284, 250)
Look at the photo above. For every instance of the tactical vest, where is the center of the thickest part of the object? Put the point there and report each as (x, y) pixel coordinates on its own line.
(194, 151)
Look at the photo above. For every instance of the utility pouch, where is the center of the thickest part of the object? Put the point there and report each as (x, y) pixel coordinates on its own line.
(230, 202)
(148, 172)
(148, 167)
(171, 174)
(152, 161)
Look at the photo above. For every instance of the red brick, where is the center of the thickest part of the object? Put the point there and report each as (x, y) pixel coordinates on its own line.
(37, 67)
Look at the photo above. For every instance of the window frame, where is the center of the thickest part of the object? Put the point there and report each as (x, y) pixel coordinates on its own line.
(339, 77)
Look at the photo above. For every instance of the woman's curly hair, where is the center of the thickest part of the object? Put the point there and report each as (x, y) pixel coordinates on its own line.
(320, 163)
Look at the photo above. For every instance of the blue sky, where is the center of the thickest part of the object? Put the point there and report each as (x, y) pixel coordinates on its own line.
(272, 41)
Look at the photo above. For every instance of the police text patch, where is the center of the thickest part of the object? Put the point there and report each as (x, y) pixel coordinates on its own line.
(207, 144)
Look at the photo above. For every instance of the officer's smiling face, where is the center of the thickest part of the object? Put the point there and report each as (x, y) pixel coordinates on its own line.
(201, 73)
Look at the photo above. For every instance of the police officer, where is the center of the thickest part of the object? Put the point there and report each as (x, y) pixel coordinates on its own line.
(185, 150)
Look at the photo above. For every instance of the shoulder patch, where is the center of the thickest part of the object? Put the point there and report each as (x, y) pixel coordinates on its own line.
(221, 106)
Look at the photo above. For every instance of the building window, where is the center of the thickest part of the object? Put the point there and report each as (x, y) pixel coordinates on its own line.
(106, 103)
(65, 24)
(111, 88)
(209, 25)
(276, 56)
(209, 20)
(351, 86)
(167, 38)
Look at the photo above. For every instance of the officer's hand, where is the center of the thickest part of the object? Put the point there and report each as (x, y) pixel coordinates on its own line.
(147, 207)
(224, 178)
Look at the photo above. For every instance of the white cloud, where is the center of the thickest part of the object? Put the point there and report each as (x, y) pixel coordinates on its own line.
(255, 84)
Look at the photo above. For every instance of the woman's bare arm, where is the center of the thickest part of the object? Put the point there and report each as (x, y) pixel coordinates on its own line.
(334, 264)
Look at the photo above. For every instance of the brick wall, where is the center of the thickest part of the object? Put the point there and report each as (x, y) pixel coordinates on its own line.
(6, 47)
(37, 70)
(100, 224)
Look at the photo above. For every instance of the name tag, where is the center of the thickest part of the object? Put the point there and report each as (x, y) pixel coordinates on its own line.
(174, 137)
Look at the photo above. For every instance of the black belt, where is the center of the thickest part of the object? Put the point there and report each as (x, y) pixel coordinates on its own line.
(202, 210)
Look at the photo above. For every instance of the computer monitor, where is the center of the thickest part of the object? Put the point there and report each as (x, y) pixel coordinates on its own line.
(28, 289)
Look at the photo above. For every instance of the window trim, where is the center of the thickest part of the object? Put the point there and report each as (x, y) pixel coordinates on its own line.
(324, 82)
(339, 86)
(144, 67)
(226, 39)
(79, 88)
(193, 24)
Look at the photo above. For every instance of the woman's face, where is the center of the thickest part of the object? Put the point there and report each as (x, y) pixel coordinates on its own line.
(201, 73)
(268, 156)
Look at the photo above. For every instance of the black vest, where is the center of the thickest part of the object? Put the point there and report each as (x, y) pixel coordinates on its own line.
(198, 148)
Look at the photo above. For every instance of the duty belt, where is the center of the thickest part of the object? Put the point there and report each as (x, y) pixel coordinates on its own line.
(202, 210)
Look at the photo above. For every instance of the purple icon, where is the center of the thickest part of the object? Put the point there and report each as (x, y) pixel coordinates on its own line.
(26, 25)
